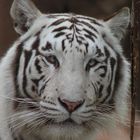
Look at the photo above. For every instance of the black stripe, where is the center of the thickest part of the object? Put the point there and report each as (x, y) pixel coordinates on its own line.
(119, 75)
(102, 67)
(90, 33)
(112, 63)
(72, 26)
(36, 81)
(100, 91)
(47, 47)
(79, 40)
(68, 36)
(60, 29)
(63, 45)
(77, 30)
(15, 67)
(86, 46)
(73, 20)
(89, 26)
(107, 53)
(59, 34)
(43, 87)
(27, 56)
(35, 45)
(57, 22)
(91, 20)
(106, 41)
(89, 37)
(109, 89)
(80, 37)
(95, 89)
(88, 66)
(99, 52)
(38, 67)
(39, 32)
(15, 64)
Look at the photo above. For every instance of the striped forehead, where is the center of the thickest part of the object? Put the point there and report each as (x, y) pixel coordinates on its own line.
(66, 33)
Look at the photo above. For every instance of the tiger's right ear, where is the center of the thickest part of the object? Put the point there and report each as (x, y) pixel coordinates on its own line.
(23, 12)
(119, 22)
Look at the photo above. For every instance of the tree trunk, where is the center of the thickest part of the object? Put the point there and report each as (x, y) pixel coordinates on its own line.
(135, 55)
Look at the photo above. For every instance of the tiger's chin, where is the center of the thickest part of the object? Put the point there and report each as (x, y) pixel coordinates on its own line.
(62, 131)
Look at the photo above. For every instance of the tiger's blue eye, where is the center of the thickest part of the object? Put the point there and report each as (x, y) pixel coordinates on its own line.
(91, 63)
(53, 60)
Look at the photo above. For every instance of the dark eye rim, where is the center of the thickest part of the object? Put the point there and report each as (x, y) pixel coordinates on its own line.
(52, 59)
(89, 65)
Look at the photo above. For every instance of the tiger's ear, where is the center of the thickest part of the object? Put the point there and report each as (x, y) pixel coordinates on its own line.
(119, 22)
(23, 12)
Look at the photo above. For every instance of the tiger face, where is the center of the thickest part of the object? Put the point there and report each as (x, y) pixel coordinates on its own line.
(70, 74)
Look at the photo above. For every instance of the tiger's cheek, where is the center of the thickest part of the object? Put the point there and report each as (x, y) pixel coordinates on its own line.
(90, 94)
(37, 72)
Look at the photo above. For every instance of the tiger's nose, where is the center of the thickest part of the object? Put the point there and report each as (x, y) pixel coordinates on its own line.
(69, 105)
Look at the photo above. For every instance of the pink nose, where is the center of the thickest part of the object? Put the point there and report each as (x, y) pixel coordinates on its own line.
(69, 105)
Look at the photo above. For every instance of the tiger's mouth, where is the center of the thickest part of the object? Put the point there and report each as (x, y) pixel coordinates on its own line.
(67, 122)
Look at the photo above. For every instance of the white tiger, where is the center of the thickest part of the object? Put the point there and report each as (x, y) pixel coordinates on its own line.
(65, 77)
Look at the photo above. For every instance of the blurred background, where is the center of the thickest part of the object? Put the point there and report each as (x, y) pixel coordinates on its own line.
(94, 8)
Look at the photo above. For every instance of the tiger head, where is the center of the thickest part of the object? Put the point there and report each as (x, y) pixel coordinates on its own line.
(70, 72)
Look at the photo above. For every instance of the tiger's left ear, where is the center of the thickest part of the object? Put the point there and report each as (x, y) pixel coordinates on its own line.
(23, 12)
(119, 22)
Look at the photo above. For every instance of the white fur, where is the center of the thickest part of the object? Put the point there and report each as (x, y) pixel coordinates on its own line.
(72, 71)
